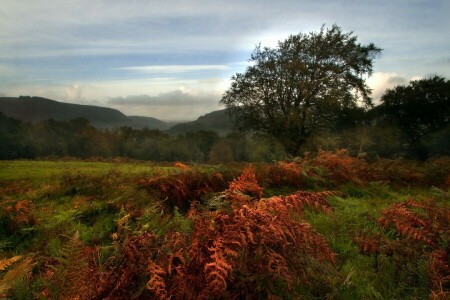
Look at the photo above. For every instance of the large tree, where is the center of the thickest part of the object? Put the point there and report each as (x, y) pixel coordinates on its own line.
(418, 109)
(302, 86)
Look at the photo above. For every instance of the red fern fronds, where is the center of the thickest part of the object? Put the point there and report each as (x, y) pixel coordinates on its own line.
(217, 270)
(447, 181)
(246, 184)
(228, 249)
(407, 222)
(182, 189)
(369, 245)
(297, 202)
(156, 283)
(428, 223)
(341, 167)
(283, 173)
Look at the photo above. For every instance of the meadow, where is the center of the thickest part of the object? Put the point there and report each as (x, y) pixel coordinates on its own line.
(327, 226)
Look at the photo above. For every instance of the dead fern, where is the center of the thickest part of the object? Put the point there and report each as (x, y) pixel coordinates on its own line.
(182, 189)
(424, 223)
(72, 274)
(409, 223)
(247, 248)
(20, 271)
(286, 174)
(341, 168)
(6, 262)
(246, 184)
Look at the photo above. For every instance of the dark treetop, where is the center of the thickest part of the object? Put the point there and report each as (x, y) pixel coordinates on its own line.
(301, 86)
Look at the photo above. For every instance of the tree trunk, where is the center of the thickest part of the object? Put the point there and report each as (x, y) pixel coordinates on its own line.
(292, 148)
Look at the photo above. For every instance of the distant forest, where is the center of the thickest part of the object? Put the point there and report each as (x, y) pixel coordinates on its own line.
(364, 133)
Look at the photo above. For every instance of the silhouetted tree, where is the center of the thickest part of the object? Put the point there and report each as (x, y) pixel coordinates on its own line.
(301, 86)
(14, 142)
(421, 108)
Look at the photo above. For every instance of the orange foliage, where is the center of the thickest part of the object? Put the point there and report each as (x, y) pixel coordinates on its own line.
(244, 188)
(246, 184)
(284, 173)
(20, 214)
(182, 189)
(409, 223)
(341, 167)
(228, 250)
(181, 166)
(425, 223)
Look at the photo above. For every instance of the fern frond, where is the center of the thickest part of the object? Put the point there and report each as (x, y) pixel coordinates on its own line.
(217, 271)
(5, 263)
(72, 272)
(21, 271)
(156, 283)
(246, 184)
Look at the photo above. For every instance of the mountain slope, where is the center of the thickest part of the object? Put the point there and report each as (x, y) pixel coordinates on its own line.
(218, 121)
(36, 109)
(139, 122)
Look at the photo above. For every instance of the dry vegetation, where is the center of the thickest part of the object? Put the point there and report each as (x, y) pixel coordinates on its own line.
(326, 226)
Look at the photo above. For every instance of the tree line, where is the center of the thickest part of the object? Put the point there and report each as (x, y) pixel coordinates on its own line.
(365, 133)
(77, 138)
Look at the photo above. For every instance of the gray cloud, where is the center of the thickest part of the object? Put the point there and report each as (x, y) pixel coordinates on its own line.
(174, 98)
(445, 61)
(397, 80)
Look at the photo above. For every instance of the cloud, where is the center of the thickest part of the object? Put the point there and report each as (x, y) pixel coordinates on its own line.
(183, 104)
(78, 50)
(379, 82)
(175, 68)
(74, 93)
(397, 80)
(211, 81)
(441, 61)
(182, 97)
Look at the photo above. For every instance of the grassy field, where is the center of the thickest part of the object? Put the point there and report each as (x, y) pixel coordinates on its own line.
(43, 170)
(95, 230)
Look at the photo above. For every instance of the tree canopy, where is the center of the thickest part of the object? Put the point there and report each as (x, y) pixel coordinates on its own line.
(418, 109)
(302, 86)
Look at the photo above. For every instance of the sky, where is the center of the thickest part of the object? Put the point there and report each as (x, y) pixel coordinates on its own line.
(173, 60)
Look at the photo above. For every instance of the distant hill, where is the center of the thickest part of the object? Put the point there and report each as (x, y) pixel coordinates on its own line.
(218, 121)
(142, 122)
(36, 109)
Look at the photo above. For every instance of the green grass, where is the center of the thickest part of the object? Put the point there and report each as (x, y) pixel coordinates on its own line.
(43, 170)
(358, 214)
(92, 198)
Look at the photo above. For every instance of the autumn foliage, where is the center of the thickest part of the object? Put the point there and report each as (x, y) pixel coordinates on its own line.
(243, 252)
(181, 189)
(428, 225)
(239, 231)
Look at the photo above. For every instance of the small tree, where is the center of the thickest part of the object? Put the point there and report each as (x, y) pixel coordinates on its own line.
(421, 108)
(302, 86)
